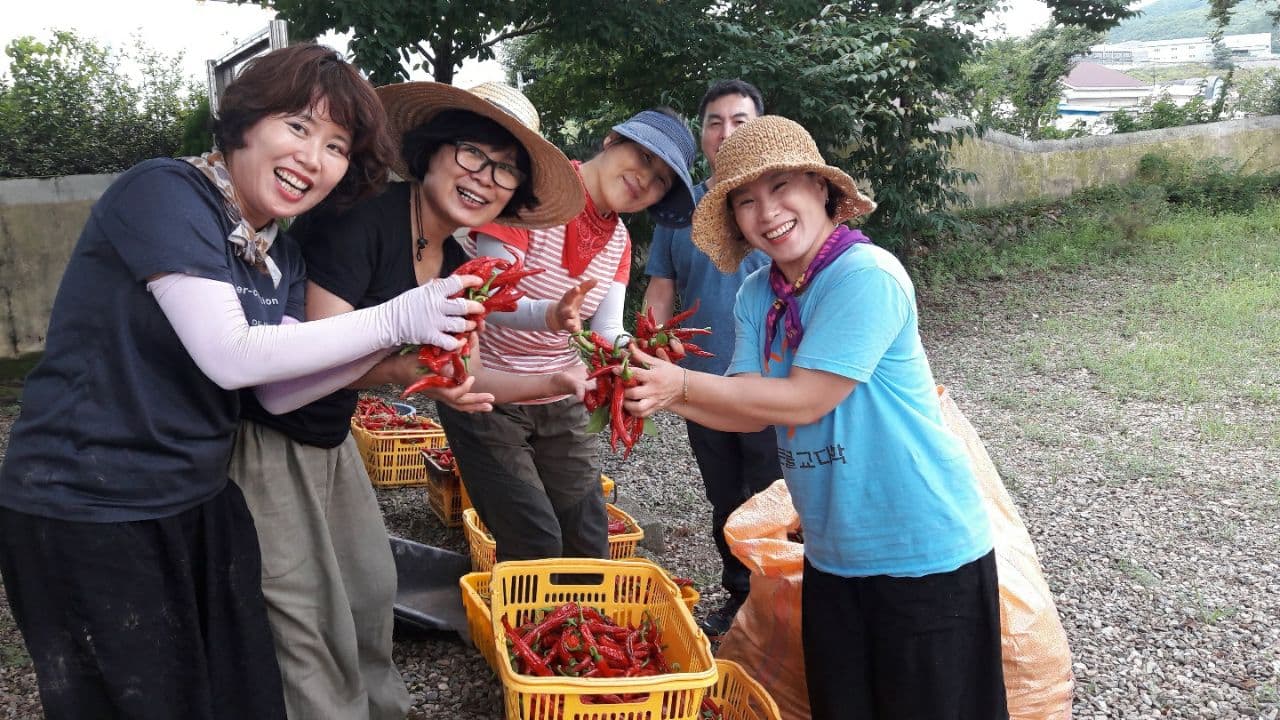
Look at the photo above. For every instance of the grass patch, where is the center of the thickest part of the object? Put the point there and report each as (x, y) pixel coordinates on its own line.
(1137, 573)
(1200, 321)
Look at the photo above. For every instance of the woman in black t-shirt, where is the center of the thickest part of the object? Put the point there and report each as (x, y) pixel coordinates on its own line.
(469, 157)
(130, 563)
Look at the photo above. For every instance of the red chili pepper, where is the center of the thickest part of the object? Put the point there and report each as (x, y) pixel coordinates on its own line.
(428, 381)
(527, 656)
(681, 317)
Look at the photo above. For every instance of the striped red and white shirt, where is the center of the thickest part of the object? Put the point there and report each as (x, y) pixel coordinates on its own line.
(536, 352)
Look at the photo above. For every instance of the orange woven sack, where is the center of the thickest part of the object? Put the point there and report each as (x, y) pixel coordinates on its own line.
(1037, 660)
(765, 637)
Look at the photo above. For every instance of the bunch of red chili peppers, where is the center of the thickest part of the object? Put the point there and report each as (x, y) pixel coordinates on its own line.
(375, 414)
(500, 293)
(441, 456)
(618, 526)
(575, 640)
(652, 336)
(605, 401)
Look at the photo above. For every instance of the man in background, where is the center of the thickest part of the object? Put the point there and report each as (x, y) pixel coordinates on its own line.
(734, 466)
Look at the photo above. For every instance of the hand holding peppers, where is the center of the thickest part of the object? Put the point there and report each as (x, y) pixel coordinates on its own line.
(668, 340)
(656, 384)
(604, 402)
(498, 293)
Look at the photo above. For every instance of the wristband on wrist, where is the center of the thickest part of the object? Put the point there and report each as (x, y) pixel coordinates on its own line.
(684, 390)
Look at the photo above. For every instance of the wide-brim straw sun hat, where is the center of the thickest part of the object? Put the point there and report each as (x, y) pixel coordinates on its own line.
(670, 139)
(555, 182)
(763, 145)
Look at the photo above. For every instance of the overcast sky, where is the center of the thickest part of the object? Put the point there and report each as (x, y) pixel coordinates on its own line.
(207, 30)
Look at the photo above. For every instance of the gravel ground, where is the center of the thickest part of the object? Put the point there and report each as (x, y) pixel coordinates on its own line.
(1159, 544)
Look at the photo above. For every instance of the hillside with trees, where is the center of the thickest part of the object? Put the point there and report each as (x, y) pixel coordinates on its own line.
(1170, 19)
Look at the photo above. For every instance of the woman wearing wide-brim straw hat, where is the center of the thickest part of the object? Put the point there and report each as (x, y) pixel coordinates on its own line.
(553, 182)
(467, 158)
(900, 615)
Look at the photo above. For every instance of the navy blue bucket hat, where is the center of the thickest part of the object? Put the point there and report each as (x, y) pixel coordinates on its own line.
(669, 139)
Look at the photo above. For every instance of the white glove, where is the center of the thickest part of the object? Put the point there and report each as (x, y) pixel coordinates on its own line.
(426, 315)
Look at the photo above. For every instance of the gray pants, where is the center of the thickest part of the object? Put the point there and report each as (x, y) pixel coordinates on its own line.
(534, 478)
(327, 573)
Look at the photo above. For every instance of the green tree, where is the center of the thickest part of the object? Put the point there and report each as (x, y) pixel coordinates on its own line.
(867, 79)
(389, 37)
(866, 76)
(1258, 92)
(1015, 85)
(69, 107)
(1162, 112)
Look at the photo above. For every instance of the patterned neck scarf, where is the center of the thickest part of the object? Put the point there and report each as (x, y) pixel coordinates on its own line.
(250, 245)
(786, 307)
(586, 234)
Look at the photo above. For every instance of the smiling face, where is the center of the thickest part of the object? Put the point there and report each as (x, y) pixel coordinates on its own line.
(721, 117)
(288, 164)
(455, 197)
(627, 177)
(784, 214)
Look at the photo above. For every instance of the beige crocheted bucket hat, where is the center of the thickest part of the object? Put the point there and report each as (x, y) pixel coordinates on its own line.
(766, 144)
(555, 182)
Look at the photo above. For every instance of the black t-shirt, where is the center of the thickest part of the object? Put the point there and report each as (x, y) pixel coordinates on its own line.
(365, 257)
(118, 423)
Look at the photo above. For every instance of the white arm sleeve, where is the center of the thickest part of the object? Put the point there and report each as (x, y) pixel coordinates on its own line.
(210, 323)
(608, 318)
(289, 395)
(529, 314)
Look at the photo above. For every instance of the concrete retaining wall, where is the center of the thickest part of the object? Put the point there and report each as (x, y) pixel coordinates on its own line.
(40, 220)
(1011, 169)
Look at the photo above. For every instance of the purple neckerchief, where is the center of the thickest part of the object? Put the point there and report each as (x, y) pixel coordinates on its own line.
(786, 307)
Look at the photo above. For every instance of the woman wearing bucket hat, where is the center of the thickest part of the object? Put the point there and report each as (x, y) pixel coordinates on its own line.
(531, 470)
(468, 157)
(900, 615)
(129, 560)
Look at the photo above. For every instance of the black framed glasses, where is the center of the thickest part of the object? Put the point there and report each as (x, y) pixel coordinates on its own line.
(473, 159)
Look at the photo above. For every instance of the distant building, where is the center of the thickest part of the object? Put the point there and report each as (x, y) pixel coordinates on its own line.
(1091, 92)
(1180, 50)
(1130, 52)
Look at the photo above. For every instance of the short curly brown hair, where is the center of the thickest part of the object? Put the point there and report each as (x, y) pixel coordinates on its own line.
(296, 78)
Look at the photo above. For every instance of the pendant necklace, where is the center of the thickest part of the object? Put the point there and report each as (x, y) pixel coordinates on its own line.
(421, 242)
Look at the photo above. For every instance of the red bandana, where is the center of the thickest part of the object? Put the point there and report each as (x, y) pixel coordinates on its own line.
(586, 234)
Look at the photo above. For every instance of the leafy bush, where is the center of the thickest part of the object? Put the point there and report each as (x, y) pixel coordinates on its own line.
(1163, 112)
(1216, 185)
(70, 107)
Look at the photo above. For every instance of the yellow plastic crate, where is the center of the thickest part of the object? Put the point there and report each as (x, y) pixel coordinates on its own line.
(626, 592)
(688, 594)
(484, 549)
(394, 457)
(475, 600)
(606, 488)
(446, 494)
(740, 697)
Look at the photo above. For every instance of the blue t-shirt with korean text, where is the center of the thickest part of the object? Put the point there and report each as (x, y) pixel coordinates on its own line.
(118, 423)
(880, 484)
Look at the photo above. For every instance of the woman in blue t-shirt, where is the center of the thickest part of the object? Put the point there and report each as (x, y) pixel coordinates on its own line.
(130, 562)
(900, 609)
